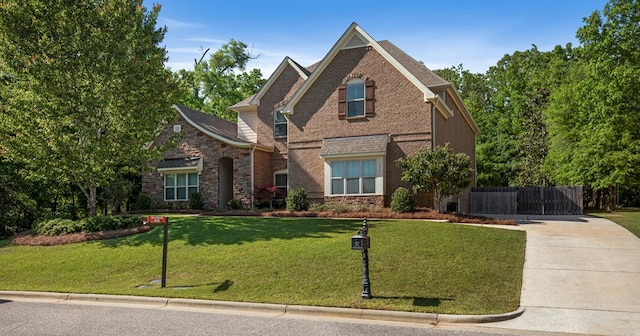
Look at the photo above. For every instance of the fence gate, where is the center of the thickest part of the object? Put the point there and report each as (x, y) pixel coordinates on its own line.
(527, 200)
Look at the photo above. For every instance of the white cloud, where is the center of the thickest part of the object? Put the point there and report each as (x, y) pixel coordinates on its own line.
(175, 24)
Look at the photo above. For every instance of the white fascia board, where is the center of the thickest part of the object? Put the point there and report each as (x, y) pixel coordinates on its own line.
(358, 155)
(441, 107)
(463, 109)
(287, 61)
(339, 45)
(239, 144)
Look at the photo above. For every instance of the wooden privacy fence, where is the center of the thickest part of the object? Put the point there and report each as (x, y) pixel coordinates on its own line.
(527, 200)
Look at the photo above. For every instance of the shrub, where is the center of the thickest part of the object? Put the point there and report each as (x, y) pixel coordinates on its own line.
(195, 201)
(103, 223)
(57, 226)
(143, 202)
(333, 207)
(297, 200)
(236, 204)
(402, 201)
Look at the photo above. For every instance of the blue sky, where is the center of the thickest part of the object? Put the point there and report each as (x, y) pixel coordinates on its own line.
(440, 33)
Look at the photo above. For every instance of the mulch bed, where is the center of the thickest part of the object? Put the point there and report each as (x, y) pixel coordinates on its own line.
(29, 238)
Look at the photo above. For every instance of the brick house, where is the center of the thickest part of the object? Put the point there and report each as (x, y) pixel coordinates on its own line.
(335, 128)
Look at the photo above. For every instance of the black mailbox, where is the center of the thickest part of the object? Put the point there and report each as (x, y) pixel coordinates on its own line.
(360, 242)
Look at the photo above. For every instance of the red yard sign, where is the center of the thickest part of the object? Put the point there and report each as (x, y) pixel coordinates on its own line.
(156, 219)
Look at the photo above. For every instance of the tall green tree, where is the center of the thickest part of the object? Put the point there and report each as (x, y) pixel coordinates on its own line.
(439, 171)
(221, 81)
(595, 137)
(85, 88)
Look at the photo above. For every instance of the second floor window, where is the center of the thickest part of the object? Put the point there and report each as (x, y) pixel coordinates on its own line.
(279, 124)
(355, 98)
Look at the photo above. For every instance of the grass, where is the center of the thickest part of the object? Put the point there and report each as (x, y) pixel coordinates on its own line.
(414, 265)
(628, 218)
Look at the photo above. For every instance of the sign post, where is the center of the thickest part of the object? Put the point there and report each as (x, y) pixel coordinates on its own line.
(162, 220)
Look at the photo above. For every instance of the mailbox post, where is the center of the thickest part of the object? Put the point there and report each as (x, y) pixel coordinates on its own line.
(165, 221)
(362, 242)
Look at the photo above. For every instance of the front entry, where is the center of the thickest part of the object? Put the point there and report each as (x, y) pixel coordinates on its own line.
(225, 182)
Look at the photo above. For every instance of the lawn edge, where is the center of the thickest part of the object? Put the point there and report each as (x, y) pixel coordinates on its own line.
(266, 308)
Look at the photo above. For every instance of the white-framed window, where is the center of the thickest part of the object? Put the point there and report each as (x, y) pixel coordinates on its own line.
(279, 124)
(280, 180)
(355, 98)
(355, 177)
(178, 187)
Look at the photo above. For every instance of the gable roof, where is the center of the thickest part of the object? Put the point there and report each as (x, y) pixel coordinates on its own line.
(427, 77)
(217, 128)
(419, 75)
(355, 37)
(250, 103)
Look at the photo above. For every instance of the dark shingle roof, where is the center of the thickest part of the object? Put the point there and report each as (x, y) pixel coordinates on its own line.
(211, 123)
(361, 145)
(421, 72)
(191, 162)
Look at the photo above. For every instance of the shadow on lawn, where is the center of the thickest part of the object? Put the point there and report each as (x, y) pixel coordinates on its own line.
(418, 301)
(238, 230)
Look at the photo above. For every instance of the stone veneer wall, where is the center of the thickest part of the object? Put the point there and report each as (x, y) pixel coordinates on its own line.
(197, 144)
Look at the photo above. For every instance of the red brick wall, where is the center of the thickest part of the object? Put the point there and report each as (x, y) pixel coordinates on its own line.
(457, 131)
(400, 110)
(280, 91)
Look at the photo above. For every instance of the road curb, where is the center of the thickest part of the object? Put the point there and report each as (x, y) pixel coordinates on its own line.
(275, 309)
(227, 305)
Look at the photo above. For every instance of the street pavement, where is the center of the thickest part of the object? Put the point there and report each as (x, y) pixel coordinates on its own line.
(581, 276)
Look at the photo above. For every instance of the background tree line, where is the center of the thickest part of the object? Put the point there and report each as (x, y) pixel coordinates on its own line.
(569, 116)
(83, 87)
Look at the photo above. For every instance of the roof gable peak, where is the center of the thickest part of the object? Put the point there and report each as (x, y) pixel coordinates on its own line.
(355, 37)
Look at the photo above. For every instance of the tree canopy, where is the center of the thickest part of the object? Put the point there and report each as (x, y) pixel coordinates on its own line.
(221, 81)
(84, 88)
(439, 171)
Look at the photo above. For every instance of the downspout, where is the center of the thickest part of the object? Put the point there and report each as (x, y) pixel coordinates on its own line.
(433, 126)
(253, 148)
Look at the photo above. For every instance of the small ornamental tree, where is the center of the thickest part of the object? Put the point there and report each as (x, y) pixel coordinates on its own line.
(439, 171)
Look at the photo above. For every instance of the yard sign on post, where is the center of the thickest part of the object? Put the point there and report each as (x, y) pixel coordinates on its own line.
(162, 220)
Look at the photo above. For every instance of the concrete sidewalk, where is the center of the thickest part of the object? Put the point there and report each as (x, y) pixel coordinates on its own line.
(581, 275)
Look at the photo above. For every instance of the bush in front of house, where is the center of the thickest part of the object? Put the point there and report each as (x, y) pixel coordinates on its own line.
(60, 226)
(236, 204)
(104, 223)
(297, 200)
(402, 201)
(57, 226)
(143, 202)
(195, 201)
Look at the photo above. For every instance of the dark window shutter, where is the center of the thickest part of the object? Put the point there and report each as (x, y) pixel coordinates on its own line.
(342, 101)
(369, 98)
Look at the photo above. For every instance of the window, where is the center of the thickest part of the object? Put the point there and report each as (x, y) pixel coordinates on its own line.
(355, 98)
(178, 187)
(353, 177)
(279, 124)
(281, 183)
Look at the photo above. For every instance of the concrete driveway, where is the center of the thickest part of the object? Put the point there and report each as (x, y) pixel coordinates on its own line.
(581, 275)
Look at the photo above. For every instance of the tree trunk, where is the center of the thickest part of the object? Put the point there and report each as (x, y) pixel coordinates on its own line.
(93, 203)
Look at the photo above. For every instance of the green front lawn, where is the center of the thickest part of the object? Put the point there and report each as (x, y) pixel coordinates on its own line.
(628, 218)
(414, 265)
